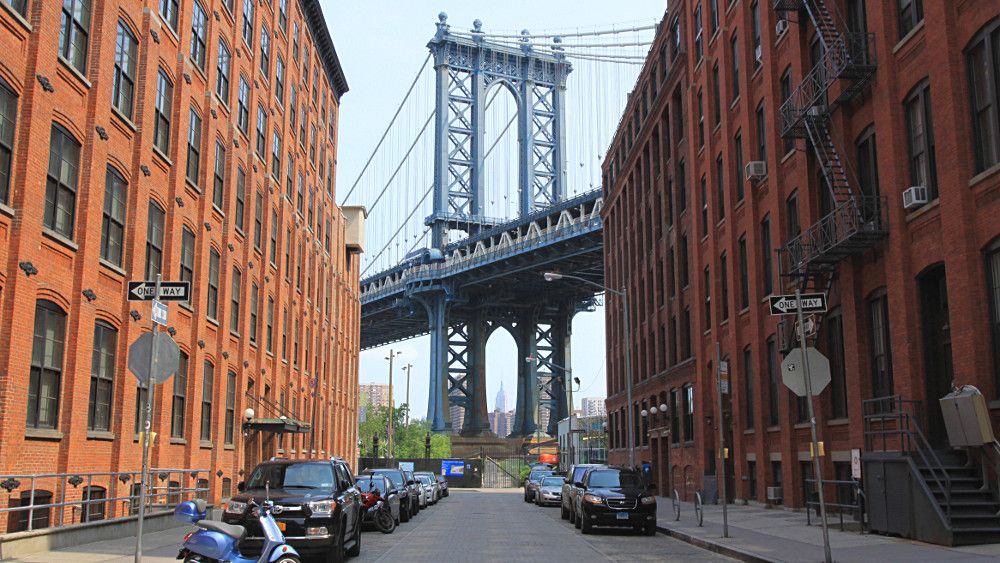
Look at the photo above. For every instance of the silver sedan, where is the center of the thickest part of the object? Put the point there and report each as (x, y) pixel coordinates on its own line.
(549, 491)
(432, 490)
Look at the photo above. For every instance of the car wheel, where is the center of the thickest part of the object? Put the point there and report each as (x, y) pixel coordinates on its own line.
(572, 516)
(336, 552)
(577, 521)
(356, 548)
(538, 500)
(585, 526)
(650, 529)
(563, 513)
(404, 513)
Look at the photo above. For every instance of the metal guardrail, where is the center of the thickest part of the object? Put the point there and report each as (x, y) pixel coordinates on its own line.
(854, 225)
(97, 500)
(856, 508)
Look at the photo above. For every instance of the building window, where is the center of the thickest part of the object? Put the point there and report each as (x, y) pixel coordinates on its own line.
(8, 122)
(123, 87)
(283, 15)
(230, 407)
(704, 208)
(698, 42)
(868, 162)
(261, 132)
(300, 199)
(154, 240)
(219, 176)
(265, 52)
(279, 80)
(720, 191)
(73, 33)
(60, 185)
(293, 104)
(222, 73)
(766, 251)
(35, 519)
(199, 32)
(701, 120)
(269, 327)
(748, 388)
(243, 106)
(688, 400)
(258, 220)
(833, 326)
(274, 237)
(179, 398)
(234, 313)
(755, 27)
(113, 222)
(724, 281)
(241, 189)
(738, 169)
(993, 295)
(881, 349)
(716, 96)
(164, 101)
(206, 402)
(761, 134)
(248, 22)
(94, 495)
(187, 255)
(284, 334)
(46, 365)
(713, 15)
(686, 334)
(295, 41)
(168, 10)
(786, 92)
(253, 312)
(983, 59)
(707, 290)
(102, 376)
(744, 274)
(213, 284)
(21, 7)
(684, 261)
(920, 134)
(752, 479)
(194, 148)
(276, 156)
(792, 211)
(734, 51)
(772, 382)
(911, 12)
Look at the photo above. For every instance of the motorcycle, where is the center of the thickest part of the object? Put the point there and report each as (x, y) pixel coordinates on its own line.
(217, 541)
(377, 510)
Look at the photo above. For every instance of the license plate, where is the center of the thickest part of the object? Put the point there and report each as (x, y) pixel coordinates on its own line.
(622, 516)
(281, 525)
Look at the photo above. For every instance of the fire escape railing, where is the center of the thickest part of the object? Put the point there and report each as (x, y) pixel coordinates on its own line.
(857, 221)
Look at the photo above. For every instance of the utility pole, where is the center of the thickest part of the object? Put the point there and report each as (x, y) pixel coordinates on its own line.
(388, 439)
(147, 429)
(720, 389)
(408, 409)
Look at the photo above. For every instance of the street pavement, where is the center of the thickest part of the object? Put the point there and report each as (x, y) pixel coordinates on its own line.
(470, 525)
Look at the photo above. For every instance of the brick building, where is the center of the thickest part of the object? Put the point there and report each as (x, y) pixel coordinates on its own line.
(198, 140)
(722, 188)
(375, 394)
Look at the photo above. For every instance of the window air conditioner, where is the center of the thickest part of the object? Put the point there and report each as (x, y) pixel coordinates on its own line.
(774, 494)
(756, 170)
(914, 197)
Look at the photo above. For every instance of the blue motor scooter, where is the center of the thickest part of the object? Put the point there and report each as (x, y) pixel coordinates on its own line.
(217, 541)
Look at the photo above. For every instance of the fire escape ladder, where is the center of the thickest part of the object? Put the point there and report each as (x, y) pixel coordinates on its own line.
(818, 131)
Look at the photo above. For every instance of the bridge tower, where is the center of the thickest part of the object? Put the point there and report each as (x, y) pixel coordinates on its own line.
(467, 67)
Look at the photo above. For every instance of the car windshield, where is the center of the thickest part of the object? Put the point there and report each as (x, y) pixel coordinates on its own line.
(537, 474)
(425, 479)
(292, 476)
(552, 481)
(368, 483)
(395, 476)
(614, 478)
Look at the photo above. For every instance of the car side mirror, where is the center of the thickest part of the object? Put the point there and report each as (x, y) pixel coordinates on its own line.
(241, 486)
(411, 482)
(578, 484)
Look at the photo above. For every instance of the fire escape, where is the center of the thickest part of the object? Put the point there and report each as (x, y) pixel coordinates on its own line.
(856, 222)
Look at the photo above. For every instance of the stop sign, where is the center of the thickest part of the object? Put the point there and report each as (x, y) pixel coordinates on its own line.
(793, 372)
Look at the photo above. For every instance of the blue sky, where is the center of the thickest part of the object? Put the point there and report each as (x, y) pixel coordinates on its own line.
(381, 44)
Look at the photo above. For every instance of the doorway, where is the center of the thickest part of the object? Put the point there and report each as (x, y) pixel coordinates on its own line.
(936, 331)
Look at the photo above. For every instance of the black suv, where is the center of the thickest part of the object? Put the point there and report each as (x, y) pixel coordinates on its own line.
(409, 503)
(316, 506)
(615, 496)
(570, 491)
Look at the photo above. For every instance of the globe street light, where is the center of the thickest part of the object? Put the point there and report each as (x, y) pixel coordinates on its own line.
(623, 295)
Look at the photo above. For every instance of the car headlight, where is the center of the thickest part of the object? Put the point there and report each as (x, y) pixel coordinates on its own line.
(648, 500)
(234, 507)
(323, 507)
(592, 499)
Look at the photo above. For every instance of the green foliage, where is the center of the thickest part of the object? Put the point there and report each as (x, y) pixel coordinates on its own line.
(408, 439)
(525, 471)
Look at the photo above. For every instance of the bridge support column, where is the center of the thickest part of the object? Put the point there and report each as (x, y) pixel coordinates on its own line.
(562, 380)
(437, 396)
(477, 421)
(525, 422)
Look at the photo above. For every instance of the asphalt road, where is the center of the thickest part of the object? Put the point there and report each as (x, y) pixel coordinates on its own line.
(470, 525)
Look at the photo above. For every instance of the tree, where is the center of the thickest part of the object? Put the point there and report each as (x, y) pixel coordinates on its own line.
(408, 439)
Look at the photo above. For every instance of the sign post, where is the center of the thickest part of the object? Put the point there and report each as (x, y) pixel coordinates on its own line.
(147, 427)
(812, 423)
(722, 375)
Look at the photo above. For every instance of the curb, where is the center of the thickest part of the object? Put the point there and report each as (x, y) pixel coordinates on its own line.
(716, 547)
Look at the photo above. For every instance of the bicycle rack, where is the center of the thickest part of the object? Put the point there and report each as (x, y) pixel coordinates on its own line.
(699, 510)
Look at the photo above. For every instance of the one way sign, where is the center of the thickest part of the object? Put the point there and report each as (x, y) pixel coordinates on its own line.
(787, 304)
(169, 290)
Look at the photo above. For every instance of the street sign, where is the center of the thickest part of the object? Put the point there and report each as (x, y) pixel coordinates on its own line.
(856, 464)
(788, 305)
(169, 290)
(724, 377)
(159, 313)
(793, 372)
(167, 357)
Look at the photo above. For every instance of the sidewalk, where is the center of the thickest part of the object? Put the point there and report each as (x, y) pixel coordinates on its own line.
(762, 534)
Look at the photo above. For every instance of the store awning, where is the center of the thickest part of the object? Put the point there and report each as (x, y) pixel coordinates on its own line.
(278, 425)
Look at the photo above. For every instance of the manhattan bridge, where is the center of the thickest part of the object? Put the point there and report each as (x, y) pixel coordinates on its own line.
(488, 175)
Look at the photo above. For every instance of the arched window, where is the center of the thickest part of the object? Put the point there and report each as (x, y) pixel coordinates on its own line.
(23, 520)
(8, 122)
(46, 365)
(61, 181)
(94, 508)
(102, 376)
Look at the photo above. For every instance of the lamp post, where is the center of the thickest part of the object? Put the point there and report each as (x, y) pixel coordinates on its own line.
(388, 436)
(652, 413)
(623, 295)
(569, 388)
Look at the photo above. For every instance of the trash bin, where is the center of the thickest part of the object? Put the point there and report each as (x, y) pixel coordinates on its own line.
(966, 417)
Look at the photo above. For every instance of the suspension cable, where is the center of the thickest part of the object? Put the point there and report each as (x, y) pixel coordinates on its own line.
(402, 225)
(605, 60)
(386, 132)
(576, 34)
(402, 162)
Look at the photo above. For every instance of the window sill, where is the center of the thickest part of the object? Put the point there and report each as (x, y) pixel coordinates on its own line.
(773, 428)
(178, 441)
(749, 431)
(212, 321)
(165, 158)
(734, 103)
(217, 211)
(205, 445)
(17, 16)
(49, 233)
(100, 435)
(801, 425)
(75, 71)
(194, 187)
(116, 269)
(198, 69)
(166, 25)
(43, 434)
(235, 333)
(982, 176)
(786, 156)
(187, 307)
(229, 447)
(123, 118)
(837, 422)
(924, 209)
(4, 209)
(906, 38)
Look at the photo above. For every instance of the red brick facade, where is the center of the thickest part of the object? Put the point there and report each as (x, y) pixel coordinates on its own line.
(932, 270)
(310, 271)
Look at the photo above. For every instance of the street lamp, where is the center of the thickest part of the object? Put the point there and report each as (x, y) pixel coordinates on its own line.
(569, 388)
(389, 431)
(623, 295)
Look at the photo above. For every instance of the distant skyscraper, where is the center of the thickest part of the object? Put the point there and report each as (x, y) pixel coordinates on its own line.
(457, 418)
(501, 402)
(377, 394)
(502, 423)
(593, 406)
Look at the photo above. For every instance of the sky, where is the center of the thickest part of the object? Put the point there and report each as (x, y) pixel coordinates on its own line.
(381, 44)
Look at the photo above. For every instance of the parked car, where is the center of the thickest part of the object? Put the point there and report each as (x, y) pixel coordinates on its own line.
(531, 483)
(371, 483)
(569, 492)
(549, 490)
(417, 489)
(430, 485)
(408, 503)
(316, 506)
(443, 483)
(615, 496)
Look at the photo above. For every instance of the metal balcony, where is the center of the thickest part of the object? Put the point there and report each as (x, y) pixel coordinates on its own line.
(854, 226)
